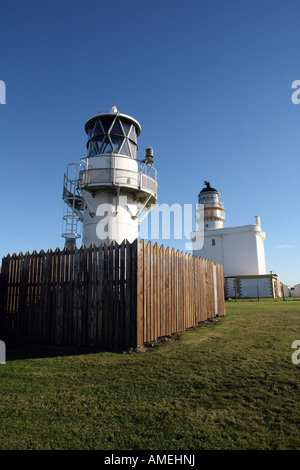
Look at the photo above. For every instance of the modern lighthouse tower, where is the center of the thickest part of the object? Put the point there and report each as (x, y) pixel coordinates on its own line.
(111, 191)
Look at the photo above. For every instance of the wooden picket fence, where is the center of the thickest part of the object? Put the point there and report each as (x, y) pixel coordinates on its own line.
(110, 297)
(175, 291)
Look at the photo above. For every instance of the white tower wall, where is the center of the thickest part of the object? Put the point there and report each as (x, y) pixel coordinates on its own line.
(297, 290)
(113, 187)
(113, 221)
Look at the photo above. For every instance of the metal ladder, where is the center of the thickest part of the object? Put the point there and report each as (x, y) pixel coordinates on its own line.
(74, 202)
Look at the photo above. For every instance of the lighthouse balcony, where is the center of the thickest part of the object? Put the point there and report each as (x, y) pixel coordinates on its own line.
(140, 179)
(212, 204)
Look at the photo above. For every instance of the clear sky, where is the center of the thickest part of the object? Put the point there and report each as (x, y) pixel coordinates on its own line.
(208, 80)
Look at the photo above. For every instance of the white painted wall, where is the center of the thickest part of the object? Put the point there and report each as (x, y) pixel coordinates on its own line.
(107, 225)
(114, 213)
(239, 249)
(285, 290)
(250, 287)
(297, 290)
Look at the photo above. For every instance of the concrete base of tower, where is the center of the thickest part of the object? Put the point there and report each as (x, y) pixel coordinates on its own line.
(109, 216)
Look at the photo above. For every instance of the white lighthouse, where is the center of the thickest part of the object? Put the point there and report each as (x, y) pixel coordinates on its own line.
(239, 249)
(110, 191)
(213, 213)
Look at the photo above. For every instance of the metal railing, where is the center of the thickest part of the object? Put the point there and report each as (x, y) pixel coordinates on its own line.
(213, 204)
(145, 177)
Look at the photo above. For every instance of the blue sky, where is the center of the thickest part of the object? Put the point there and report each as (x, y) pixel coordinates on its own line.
(208, 80)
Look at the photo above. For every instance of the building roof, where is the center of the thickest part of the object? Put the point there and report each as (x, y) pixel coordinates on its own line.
(113, 112)
(208, 188)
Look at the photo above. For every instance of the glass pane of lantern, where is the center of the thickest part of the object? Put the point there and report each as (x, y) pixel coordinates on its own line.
(126, 127)
(132, 149)
(117, 142)
(125, 148)
(106, 123)
(91, 150)
(98, 144)
(117, 129)
(90, 131)
(132, 134)
(98, 129)
(106, 147)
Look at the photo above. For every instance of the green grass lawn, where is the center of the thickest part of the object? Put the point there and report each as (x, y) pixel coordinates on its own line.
(229, 385)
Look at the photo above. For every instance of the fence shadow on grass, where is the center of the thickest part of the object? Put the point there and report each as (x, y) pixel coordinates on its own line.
(17, 352)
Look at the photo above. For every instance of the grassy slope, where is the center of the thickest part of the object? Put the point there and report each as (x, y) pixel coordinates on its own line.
(226, 386)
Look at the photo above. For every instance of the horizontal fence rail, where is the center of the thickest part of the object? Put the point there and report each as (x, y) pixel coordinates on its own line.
(110, 297)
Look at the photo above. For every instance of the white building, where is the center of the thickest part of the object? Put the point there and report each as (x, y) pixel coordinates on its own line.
(264, 285)
(297, 290)
(239, 249)
(286, 291)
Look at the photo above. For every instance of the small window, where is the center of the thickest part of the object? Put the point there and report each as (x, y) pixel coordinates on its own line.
(213, 242)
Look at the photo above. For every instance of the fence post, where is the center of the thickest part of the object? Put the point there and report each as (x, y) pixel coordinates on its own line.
(3, 298)
(140, 313)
